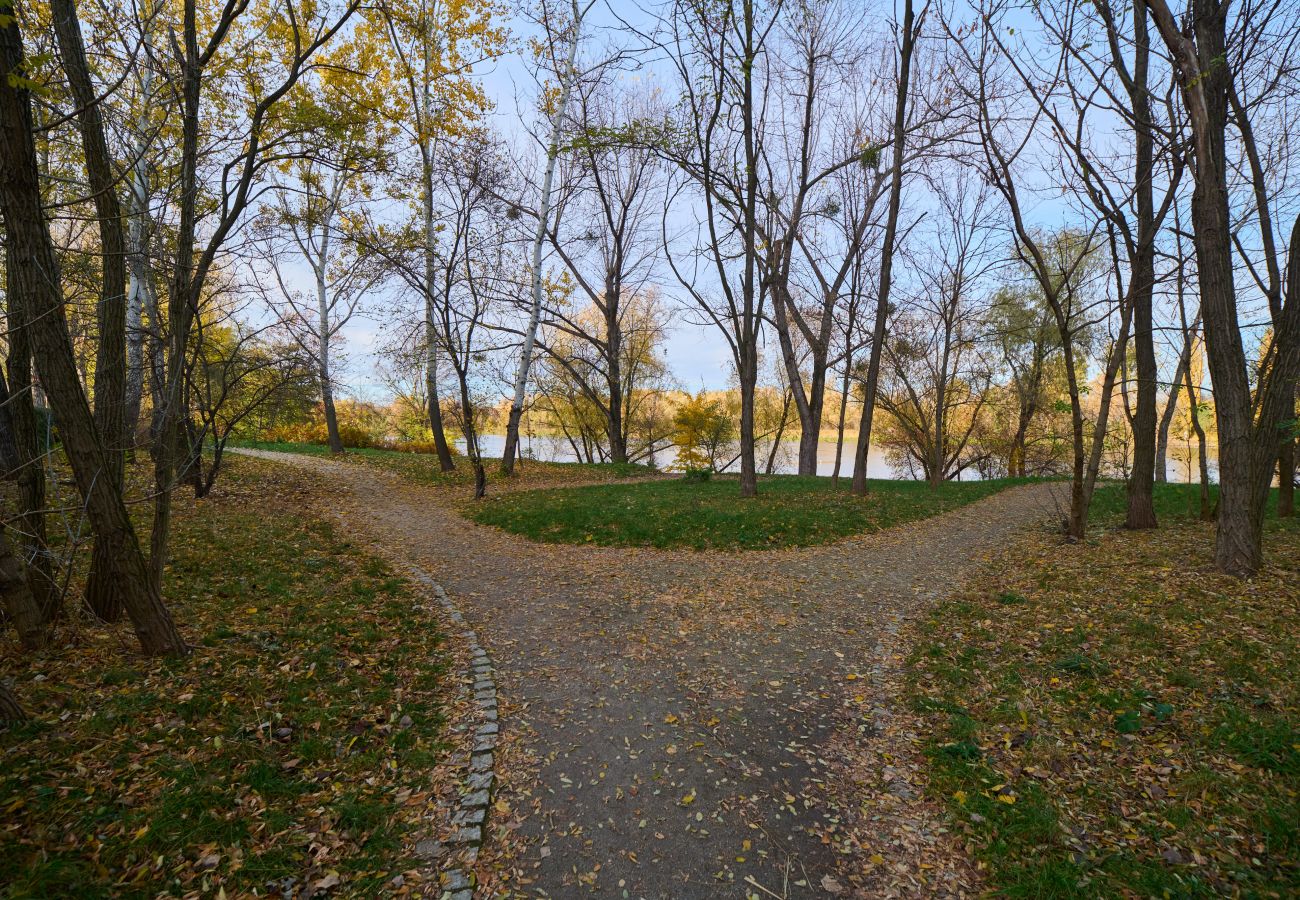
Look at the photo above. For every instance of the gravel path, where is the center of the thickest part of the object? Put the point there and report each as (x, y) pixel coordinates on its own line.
(668, 707)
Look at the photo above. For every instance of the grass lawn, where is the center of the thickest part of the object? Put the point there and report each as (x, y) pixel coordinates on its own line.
(1173, 502)
(1116, 718)
(277, 751)
(790, 511)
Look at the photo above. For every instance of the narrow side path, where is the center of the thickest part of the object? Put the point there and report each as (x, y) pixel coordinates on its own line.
(671, 705)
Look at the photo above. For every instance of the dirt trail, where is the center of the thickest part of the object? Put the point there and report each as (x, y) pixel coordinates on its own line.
(672, 703)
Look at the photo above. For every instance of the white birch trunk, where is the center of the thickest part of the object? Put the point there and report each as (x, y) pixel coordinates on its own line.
(543, 215)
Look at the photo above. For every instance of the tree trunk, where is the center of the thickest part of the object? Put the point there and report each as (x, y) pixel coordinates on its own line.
(16, 598)
(169, 446)
(748, 384)
(863, 450)
(1248, 441)
(29, 454)
(807, 403)
(1076, 523)
(18, 602)
(1167, 419)
(839, 428)
(616, 428)
(331, 415)
(432, 400)
(1141, 508)
(110, 358)
(323, 351)
(37, 277)
(1286, 480)
(11, 712)
(140, 283)
(543, 216)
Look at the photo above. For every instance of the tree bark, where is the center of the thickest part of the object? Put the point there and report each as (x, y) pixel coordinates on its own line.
(29, 453)
(432, 400)
(37, 277)
(11, 712)
(1286, 480)
(616, 428)
(140, 282)
(1141, 508)
(110, 359)
(839, 428)
(323, 351)
(18, 602)
(1248, 427)
(863, 449)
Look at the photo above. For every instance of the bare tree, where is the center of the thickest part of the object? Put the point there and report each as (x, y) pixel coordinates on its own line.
(605, 233)
(936, 375)
(560, 51)
(911, 29)
(309, 217)
(721, 57)
(1011, 124)
(1249, 423)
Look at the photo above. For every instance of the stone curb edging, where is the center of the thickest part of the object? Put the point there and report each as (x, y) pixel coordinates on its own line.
(469, 822)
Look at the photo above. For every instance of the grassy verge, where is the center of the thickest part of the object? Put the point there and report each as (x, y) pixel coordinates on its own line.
(1173, 502)
(293, 746)
(790, 511)
(1117, 718)
(424, 467)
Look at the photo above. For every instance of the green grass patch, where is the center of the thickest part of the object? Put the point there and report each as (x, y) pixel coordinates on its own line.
(1174, 502)
(274, 751)
(789, 511)
(1130, 723)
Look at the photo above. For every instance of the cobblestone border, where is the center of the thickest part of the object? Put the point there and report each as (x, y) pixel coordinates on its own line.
(469, 822)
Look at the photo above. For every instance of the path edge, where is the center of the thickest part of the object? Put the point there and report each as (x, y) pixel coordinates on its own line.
(479, 780)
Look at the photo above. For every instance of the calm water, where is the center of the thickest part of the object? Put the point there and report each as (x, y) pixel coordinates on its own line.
(552, 449)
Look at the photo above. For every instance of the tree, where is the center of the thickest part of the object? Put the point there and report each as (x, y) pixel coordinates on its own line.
(314, 210)
(434, 47)
(237, 370)
(605, 233)
(1065, 265)
(574, 375)
(911, 30)
(936, 375)
(821, 101)
(26, 464)
(559, 54)
(721, 58)
(702, 432)
(1250, 424)
(110, 358)
(471, 262)
(286, 45)
(34, 276)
